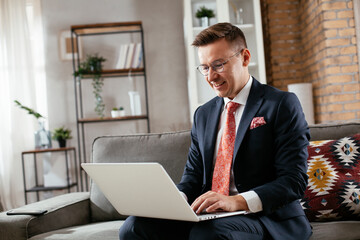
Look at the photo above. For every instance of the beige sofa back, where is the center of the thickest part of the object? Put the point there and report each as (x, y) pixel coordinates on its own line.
(170, 150)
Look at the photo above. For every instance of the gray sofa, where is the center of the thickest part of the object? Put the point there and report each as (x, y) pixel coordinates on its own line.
(88, 215)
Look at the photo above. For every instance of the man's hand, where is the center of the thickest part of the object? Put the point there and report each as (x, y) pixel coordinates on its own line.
(215, 202)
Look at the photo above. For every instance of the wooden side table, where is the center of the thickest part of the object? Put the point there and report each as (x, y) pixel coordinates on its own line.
(38, 188)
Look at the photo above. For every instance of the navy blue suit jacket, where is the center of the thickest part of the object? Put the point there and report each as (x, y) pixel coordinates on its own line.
(270, 159)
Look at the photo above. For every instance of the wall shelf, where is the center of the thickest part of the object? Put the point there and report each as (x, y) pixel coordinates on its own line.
(111, 119)
(106, 28)
(105, 73)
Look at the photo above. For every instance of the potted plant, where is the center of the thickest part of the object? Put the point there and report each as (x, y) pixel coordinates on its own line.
(93, 66)
(61, 135)
(117, 112)
(204, 14)
(42, 136)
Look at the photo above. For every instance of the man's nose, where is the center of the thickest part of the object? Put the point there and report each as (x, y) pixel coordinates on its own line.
(212, 75)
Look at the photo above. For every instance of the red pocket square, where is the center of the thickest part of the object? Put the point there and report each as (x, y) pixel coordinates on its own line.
(257, 122)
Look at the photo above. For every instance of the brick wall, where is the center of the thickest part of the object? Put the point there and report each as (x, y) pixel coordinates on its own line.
(314, 41)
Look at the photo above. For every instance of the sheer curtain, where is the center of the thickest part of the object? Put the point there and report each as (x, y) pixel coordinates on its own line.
(19, 81)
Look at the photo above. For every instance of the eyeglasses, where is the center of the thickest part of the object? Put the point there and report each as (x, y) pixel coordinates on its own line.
(217, 65)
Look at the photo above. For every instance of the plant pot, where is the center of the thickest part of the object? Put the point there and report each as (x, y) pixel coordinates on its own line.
(204, 22)
(117, 113)
(96, 67)
(62, 143)
(114, 113)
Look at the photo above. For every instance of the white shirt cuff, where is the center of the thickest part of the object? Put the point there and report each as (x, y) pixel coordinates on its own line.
(184, 195)
(253, 201)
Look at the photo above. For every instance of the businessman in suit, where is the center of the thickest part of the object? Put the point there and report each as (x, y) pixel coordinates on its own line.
(248, 152)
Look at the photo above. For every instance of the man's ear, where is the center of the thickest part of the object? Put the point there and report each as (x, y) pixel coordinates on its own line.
(246, 57)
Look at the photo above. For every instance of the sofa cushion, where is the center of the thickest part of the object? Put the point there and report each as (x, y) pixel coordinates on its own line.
(95, 231)
(333, 191)
(336, 230)
(168, 149)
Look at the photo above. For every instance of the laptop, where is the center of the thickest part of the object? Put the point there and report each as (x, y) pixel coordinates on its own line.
(144, 190)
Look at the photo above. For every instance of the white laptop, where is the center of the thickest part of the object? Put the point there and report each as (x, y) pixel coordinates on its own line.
(145, 190)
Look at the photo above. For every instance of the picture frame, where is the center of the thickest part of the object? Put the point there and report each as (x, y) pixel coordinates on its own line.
(66, 48)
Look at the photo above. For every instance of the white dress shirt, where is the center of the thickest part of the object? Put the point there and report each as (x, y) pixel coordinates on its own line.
(251, 198)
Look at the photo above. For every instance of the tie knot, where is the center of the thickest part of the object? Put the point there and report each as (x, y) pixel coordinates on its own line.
(232, 106)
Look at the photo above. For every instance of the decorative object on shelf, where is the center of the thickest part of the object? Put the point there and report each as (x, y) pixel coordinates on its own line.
(135, 103)
(93, 66)
(204, 14)
(239, 17)
(97, 84)
(61, 135)
(42, 136)
(117, 112)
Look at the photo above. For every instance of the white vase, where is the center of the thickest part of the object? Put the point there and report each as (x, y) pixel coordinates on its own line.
(42, 137)
(204, 22)
(135, 103)
(239, 16)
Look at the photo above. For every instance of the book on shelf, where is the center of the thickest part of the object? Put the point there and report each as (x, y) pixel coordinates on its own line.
(130, 56)
(122, 56)
(136, 63)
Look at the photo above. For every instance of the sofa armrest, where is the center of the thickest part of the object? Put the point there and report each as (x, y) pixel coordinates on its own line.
(63, 211)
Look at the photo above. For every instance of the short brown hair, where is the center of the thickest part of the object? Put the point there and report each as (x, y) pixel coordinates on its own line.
(231, 33)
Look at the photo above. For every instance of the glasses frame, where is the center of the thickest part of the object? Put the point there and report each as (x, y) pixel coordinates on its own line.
(217, 69)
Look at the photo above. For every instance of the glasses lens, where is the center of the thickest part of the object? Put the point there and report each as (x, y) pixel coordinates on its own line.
(217, 66)
(203, 70)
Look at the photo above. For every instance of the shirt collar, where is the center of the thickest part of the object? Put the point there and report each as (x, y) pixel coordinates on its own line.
(243, 95)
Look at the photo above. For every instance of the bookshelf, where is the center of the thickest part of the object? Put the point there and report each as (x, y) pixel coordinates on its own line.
(117, 73)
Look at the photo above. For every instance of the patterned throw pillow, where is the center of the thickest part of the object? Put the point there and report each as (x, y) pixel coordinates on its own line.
(333, 191)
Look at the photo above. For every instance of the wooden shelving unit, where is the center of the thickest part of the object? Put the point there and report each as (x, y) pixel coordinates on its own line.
(89, 30)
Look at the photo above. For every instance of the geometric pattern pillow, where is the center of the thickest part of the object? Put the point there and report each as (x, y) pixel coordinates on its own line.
(333, 191)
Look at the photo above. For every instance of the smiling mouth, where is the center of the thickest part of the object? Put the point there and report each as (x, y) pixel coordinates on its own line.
(217, 84)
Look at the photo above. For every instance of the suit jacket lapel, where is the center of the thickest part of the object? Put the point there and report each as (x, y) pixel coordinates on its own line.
(252, 106)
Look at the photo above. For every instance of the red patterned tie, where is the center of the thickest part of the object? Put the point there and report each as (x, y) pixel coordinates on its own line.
(221, 175)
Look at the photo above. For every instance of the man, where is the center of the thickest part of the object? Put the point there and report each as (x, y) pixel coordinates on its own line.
(248, 152)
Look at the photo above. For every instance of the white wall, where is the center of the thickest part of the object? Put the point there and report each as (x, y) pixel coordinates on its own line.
(165, 62)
